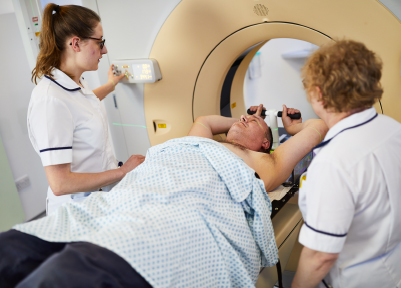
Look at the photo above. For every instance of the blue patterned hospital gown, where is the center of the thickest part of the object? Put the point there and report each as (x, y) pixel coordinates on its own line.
(192, 215)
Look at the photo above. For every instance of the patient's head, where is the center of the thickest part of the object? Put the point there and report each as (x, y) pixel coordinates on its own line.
(251, 132)
(347, 73)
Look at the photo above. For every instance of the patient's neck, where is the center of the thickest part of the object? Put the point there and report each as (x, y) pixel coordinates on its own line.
(235, 144)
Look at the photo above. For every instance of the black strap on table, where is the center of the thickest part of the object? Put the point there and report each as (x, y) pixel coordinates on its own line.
(325, 284)
(280, 276)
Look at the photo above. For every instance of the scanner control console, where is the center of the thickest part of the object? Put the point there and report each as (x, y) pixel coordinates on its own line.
(137, 70)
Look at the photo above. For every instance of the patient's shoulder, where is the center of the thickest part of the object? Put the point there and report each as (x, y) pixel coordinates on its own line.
(237, 149)
(252, 158)
(260, 159)
(263, 164)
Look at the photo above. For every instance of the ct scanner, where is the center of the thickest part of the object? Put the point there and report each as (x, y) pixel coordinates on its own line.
(200, 40)
(196, 43)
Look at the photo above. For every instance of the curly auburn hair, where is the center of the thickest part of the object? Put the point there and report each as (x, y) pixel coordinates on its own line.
(347, 73)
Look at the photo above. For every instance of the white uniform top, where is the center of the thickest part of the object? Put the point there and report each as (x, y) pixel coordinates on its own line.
(67, 124)
(351, 201)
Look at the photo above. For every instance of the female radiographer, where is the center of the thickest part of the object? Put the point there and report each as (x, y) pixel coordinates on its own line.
(66, 122)
(350, 200)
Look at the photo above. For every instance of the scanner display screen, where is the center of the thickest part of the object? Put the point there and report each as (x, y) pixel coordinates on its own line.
(302, 166)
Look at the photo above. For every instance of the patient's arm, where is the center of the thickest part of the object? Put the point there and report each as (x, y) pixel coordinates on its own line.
(207, 126)
(292, 126)
(274, 169)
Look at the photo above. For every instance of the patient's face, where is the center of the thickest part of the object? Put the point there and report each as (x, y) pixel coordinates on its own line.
(250, 132)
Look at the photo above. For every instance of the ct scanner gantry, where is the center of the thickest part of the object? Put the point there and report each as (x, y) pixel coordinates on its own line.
(201, 39)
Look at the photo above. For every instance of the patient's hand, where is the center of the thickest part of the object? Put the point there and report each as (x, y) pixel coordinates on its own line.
(288, 122)
(258, 110)
(133, 162)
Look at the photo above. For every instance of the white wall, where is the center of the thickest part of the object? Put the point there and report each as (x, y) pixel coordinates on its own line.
(60, 2)
(15, 92)
(129, 37)
(280, 79)
(6, 6)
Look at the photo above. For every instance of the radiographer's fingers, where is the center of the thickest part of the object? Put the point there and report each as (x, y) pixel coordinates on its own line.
(132, 162)
(111, 71)
(114, 78)
(119, 77)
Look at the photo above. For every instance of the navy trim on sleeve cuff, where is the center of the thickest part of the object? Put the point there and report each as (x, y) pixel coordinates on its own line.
(326, 233)
(71, 90)
(58, 148)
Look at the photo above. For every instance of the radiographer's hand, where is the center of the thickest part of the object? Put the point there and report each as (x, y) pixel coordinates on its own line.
(112, 78)
(104, 90)
(133, 162)
(287, 121)
(258, 110)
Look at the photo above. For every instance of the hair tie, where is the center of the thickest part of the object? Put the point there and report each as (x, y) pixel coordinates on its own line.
(57, 8)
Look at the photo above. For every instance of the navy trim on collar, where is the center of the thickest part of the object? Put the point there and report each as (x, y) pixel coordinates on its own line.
(326, 233)
(58, 148)
(327, 141)
(71, 90)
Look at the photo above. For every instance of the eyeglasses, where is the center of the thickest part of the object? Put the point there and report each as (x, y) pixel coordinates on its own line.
(101, 43)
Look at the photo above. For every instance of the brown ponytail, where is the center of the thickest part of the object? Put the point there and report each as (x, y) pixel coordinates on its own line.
(58, 24)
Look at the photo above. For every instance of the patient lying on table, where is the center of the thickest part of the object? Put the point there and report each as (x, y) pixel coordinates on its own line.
(193, 214)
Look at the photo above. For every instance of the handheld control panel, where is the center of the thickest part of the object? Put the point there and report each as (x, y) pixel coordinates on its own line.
(137, 70)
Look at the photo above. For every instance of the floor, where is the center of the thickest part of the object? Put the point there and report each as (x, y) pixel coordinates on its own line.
(41, 215)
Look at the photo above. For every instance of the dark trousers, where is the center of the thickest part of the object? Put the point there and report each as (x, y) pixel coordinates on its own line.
(28, 261)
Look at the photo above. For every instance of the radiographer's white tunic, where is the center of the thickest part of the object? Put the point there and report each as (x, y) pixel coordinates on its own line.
(351, 201)
(68, 124)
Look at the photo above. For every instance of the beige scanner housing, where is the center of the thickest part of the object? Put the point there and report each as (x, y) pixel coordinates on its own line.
(201, 39)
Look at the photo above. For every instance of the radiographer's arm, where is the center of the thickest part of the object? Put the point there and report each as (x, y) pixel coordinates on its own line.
(107, 88)
(62, 181)
(327, 220)
(313, 266)
(283, 160)
(52, 130)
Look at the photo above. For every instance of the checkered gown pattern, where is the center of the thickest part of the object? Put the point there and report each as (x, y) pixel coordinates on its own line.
(192, 215)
